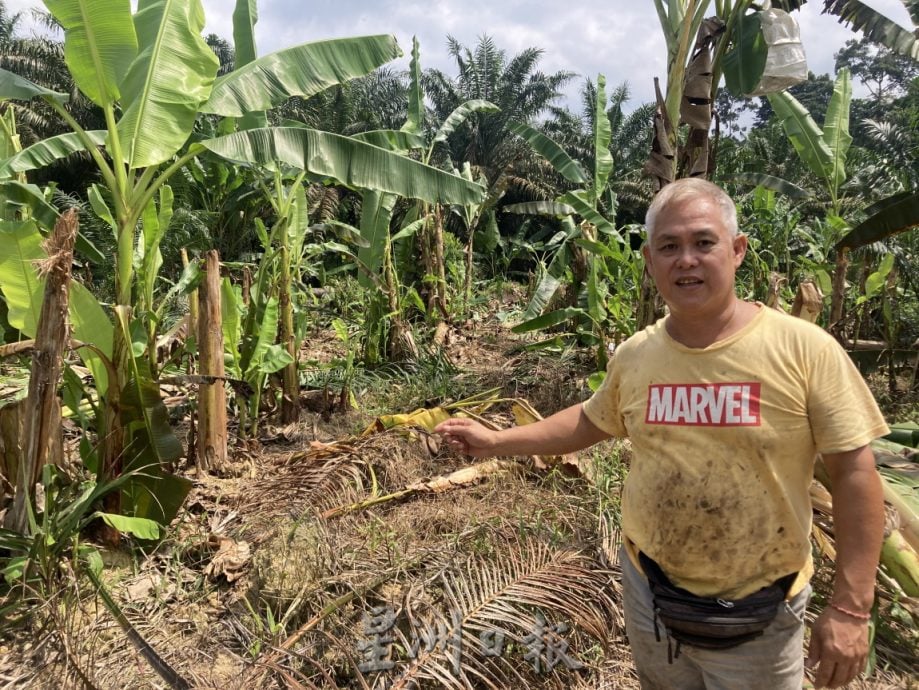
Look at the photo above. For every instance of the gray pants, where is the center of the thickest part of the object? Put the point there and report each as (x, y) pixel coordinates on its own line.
(773, 661)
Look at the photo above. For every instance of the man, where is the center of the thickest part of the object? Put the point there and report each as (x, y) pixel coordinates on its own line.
(727, 404)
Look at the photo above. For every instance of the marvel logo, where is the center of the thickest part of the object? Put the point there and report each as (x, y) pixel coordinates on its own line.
(712, 404)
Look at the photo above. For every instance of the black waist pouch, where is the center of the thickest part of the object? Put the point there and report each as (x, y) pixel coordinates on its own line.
(711, 623)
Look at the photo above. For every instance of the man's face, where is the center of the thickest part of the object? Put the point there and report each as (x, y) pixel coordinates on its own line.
(692, 258)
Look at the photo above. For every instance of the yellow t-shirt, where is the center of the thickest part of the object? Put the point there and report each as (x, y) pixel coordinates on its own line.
(724, 440)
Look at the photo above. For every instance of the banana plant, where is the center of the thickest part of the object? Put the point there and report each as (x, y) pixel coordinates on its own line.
(591, 252)
(250, 330)
(386, 334)
(427, 220)
(152, 74)
(824, 152)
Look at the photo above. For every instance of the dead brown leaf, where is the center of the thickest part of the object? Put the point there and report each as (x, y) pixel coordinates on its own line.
(231, 560)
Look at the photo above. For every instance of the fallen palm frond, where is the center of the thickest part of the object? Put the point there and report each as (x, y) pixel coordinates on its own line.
(330, 469)
(323, 471)
(270, 662)
(524, 594)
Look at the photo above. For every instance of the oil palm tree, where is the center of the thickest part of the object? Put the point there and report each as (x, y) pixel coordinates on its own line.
(515, 85)
(378, 100)
(40, 59)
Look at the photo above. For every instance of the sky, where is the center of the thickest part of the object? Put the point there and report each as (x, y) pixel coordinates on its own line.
(621, 39)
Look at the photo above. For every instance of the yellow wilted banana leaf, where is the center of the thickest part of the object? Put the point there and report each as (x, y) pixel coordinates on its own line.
(421, 418)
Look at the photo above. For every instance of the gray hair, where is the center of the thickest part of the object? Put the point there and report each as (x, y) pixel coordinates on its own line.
(688, 188)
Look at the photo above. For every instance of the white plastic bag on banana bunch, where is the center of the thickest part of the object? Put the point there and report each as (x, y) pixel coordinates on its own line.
(785, 61)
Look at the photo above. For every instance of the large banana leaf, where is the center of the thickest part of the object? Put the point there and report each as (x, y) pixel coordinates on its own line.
(881, 204)
(156, 495)
(460, 114)
(553, 318)
(17, 88)
(836, 128)
(877, 27)
(245, 17)
(99, 44)
(415, 116)
(540, 208)
(19, 195)
(580, 201)
(805, 135)
(351, 162)
(542, 295)
(376, 215)
(745, 62)
(603, 159)
(264, 348)
(91, 325)
(776, 184)
(148, 258)
(231, 326)
(392, 139)
(303, 70)
(599, 248)
(396, 140)
(9, 139)
(29, 196)
(566, 166)
(20, 247)
(46, 152)
(168, 81)
(894, 218)
(141, 404)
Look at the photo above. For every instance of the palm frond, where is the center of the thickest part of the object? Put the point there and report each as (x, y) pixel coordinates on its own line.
(324, 202)
(308, 479)
(511, 595)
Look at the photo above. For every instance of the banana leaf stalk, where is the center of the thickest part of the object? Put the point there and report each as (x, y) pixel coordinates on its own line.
(902, 562)
(896, 492)
(160, 665)
(460, 478)
(898, 557)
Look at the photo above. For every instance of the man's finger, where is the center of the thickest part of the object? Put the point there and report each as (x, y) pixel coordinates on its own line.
(825, 672)
(813, 653)
(841, 675)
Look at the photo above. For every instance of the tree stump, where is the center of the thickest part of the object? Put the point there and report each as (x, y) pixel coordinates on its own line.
(41, 412)
(212, 397)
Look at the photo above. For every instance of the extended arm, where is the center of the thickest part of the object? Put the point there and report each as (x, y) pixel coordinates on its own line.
(563, 432)
(839, 640)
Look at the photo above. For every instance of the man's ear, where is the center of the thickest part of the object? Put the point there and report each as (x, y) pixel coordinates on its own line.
(740, 249)
(646, 253)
